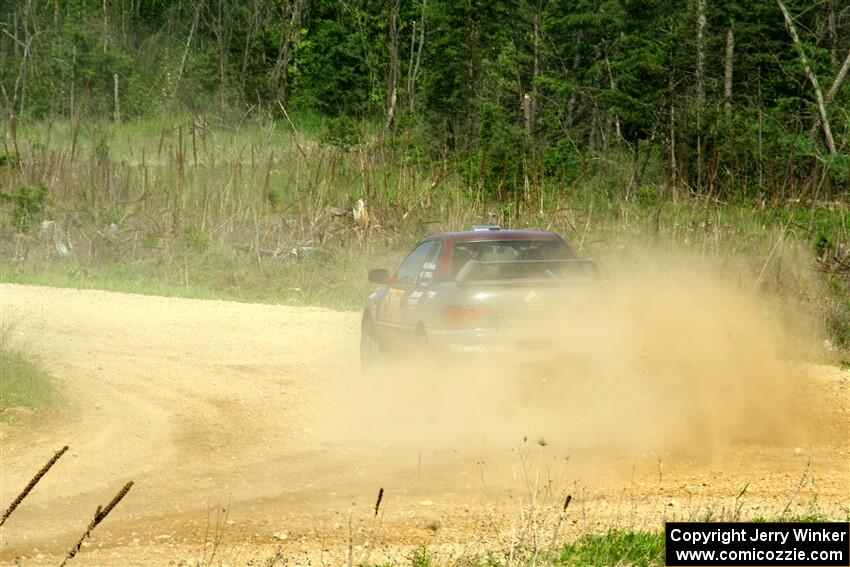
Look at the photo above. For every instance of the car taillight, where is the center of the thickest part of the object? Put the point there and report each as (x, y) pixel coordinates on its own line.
(466, 314)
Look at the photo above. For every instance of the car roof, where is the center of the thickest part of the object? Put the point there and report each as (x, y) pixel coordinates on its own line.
(496, 235)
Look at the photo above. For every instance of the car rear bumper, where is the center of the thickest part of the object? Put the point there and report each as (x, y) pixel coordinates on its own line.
(463, 341)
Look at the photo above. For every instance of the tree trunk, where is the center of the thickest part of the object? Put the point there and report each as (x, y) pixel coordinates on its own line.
(535, 70)
(827, 132)
(674, 168)
(186, 51)
(117, 115)
(833, 90)
(571, 104)
(21, 81)
(410, 96)
(761, 136)
(73, 80)
(473, 61)
(15, 17)
(393, 69)
(105, 27)
(218, 30)
(526, 112)
(289, 40)
(839, 79)
(255, 14)
(833, 33)
(413, 68)
(674, 172)
(727, 75)
(700, 86)
(613, 84)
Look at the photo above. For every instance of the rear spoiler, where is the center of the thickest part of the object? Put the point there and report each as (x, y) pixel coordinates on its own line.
(584, 268)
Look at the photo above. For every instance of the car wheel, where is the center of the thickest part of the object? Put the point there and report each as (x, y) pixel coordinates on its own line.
(370, 346)
(421, 348)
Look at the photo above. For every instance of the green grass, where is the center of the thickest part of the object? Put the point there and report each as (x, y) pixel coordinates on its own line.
(334, 278)
(192, 204)
(22, 382)
(638, 549)
(615, 548)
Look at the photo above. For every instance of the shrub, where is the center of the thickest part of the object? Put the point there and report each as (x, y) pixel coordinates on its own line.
(27, 204)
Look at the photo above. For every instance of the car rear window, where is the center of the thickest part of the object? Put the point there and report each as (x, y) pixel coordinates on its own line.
(507, 250)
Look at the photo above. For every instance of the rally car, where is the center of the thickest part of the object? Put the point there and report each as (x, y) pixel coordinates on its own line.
(465, 292)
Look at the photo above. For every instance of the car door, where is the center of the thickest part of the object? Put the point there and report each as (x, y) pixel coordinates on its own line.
(392, 318)
(416, 300)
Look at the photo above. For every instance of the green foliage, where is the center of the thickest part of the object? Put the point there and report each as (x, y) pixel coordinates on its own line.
(837, 317)
(421, 557)
(27, 205)
(598, 74)
(640, 549)
(213, 272)
(101, 148)
(341, 132)
(812, 518)
(563, 160)
(196, 239)
(22, 382)
(197, 234)
(496, 164)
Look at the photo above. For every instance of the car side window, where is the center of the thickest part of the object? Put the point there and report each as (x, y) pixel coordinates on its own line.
(429, 267)
(409, 269)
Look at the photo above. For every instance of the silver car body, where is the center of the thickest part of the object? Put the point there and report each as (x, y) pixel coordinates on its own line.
(466, 292)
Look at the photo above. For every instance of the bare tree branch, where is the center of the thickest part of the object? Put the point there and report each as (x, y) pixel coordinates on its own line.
(827, 132)
(833, 90)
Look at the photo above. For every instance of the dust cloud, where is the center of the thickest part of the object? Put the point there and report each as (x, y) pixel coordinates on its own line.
(686, 358)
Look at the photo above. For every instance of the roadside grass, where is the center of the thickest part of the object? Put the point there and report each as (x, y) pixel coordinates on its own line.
(615, 547)
(251, 213)
(641, 549)
(174, 205)
(334, 279)
(632, 548)
(23, 383)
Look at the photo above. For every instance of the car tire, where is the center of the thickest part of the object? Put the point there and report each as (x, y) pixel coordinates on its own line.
(421, 346)
(371, 350)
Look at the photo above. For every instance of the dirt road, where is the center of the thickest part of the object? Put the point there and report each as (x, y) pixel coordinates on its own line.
(243, 428)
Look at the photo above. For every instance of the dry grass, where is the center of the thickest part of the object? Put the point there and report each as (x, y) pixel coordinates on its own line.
(24, 385)
(183, 206)
(633, 536)
(99, 515)
(31, 484)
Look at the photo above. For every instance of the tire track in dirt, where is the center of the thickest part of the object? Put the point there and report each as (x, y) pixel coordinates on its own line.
(209, 405)
(185, 397)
